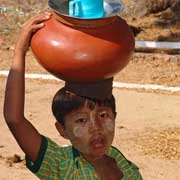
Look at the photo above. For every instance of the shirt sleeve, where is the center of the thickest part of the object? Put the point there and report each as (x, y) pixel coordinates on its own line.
(132, 172)
(42, 167)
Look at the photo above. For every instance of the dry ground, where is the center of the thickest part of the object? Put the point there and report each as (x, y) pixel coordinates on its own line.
(147, 129)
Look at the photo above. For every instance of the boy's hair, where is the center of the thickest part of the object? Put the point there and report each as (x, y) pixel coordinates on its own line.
(65, 102)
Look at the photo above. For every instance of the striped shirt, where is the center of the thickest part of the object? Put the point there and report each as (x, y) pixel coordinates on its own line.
(66, 163)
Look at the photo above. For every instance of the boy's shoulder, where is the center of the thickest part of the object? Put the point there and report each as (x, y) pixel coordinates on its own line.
(116, 153)
(59, 151)
(129, 168)
(49, 153)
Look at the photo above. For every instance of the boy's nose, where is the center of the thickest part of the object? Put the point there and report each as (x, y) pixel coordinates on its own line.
(95, 124)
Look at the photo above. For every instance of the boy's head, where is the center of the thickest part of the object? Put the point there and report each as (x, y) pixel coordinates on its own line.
(88, 123)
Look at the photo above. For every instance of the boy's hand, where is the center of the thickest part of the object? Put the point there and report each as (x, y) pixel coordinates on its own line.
(28, 28)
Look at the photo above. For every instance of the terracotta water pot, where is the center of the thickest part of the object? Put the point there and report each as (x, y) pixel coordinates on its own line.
(83, 50)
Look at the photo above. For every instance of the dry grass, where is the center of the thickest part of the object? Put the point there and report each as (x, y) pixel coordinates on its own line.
(164, 144)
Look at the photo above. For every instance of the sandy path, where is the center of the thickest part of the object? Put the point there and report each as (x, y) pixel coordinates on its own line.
(139, 114)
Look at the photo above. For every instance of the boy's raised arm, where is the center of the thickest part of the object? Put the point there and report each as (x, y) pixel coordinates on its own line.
(25, 134)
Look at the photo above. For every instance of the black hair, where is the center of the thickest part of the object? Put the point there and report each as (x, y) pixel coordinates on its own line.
(65, 102)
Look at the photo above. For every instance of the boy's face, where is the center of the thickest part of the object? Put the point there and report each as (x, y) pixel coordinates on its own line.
(91, 131)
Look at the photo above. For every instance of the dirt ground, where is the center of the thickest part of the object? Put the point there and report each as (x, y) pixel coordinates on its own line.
(147, 127)
(147, 68)
(147, 130)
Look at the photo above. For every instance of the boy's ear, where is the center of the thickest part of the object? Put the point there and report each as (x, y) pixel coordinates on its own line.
(61, 129)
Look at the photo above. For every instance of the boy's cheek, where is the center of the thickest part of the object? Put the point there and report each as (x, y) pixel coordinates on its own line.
(80, 131)
(109, 129)
(77, 134)
(109, 125)
(79, 141)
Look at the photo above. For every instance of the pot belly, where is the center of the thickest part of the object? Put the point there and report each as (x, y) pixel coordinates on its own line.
(83, 54)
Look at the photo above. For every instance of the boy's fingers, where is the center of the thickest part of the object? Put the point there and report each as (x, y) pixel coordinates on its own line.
(37, 19)
(37, 26)
(40, 18)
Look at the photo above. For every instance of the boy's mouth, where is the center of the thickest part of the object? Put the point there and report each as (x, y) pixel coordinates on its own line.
(97, 141)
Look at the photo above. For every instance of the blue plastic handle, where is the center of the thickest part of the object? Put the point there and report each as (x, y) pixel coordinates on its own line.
(74, 7)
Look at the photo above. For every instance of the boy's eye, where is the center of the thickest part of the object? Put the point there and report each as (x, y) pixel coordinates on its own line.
(104, 115)
(81, 120)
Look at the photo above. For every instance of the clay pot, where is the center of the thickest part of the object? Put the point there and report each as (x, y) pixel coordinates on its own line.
(80, 50)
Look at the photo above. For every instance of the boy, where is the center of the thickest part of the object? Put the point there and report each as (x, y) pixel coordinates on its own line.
(88, 122)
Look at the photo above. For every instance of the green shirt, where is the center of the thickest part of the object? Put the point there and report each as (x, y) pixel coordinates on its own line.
(66, 163)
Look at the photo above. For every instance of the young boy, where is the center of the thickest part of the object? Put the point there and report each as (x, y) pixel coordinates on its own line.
(88, 122)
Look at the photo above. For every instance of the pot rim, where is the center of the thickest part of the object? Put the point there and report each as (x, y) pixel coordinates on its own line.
(84, 23)
(111, 8)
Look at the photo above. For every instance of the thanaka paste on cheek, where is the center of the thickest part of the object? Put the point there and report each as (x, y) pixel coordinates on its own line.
(108, 128)
(109, 125)
(79, 144)
(79, 131)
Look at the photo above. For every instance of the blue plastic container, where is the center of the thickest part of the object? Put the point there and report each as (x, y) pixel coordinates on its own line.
(88, 9)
